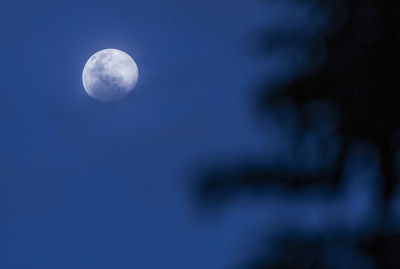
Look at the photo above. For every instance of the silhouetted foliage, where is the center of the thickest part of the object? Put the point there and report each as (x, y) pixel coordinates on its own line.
(349, 92)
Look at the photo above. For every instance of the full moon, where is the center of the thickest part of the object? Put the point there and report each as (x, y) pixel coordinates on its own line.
(109, 75)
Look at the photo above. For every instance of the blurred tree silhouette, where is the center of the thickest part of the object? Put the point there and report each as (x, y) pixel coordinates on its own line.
(348, 93)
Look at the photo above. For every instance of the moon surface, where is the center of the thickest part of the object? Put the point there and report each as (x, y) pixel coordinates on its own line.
(109, 75)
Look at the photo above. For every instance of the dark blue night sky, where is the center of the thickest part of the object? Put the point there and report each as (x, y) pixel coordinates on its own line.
(90, 185)
(93, 185)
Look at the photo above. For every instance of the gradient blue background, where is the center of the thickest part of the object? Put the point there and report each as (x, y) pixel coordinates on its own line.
(91, 185)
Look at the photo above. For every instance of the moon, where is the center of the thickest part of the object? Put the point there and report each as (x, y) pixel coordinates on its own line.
(109, 75)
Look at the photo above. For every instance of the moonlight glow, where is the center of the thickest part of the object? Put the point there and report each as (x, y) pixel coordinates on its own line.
(109, 75)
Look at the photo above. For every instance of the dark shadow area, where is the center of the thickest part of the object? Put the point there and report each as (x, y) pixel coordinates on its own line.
(340, 117)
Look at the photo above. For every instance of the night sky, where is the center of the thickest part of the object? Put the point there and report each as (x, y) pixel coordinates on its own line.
(90, 185)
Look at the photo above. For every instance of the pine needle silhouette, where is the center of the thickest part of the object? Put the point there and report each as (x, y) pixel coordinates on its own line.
(352, 84)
